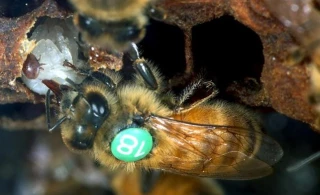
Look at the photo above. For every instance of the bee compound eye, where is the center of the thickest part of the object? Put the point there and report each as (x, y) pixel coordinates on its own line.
(99, 108)
(83, 138)
(131, 144)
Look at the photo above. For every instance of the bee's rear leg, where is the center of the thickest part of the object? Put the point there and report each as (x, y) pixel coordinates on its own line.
(195, 94)
(148, 75)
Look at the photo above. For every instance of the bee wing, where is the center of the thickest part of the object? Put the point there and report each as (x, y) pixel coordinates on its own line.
(214, 151)
(300, 16)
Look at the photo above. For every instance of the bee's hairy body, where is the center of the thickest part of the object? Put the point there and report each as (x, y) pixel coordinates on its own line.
(131, 99)
(112, 10)
(111, 24)
(202, 138)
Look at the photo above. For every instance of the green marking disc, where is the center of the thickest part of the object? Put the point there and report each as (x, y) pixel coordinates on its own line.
(131, 144)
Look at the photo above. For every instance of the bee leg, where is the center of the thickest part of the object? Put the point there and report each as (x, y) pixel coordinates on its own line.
(201, 90)
(57, 89)
(144, 70)
(156, 13)
(95, 75)
(104, 79)
(48, 110)
(83, 46)
(79, 71)
(147, 73)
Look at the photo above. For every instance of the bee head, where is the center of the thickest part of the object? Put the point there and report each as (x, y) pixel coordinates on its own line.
(83, 110)
(87, 113)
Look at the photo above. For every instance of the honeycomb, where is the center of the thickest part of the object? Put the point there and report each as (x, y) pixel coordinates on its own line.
(273, 84)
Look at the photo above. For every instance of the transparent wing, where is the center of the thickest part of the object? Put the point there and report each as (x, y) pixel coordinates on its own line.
(300, 16)
(214, 151)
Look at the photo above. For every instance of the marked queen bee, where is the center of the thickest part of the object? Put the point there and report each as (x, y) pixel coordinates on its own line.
(113, 24)
(131, 125)
(302, 17)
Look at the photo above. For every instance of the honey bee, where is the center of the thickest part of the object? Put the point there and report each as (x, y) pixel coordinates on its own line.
(302, 17)
(113, 24)
(131, 125)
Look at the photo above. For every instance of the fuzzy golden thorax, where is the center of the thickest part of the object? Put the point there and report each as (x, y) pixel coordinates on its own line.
(132, 100)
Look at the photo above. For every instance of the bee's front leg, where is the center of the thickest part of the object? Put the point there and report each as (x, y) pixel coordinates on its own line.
(105, 79)
(148, 75)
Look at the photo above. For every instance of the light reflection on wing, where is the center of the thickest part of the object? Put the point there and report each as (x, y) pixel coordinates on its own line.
(216, 151)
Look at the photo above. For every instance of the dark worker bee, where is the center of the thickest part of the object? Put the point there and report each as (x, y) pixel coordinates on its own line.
(138, 125)
(113, 24)
(302, 17)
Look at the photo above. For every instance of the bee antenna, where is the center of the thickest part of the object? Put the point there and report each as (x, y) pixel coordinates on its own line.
(61, 120)
(73, 84)
(86, 101)
(48, 110)
(78, 97)
(303, 162)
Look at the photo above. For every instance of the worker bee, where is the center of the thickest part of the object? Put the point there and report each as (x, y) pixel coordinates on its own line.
(113, 24)
(137, 124)
(302, 17)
